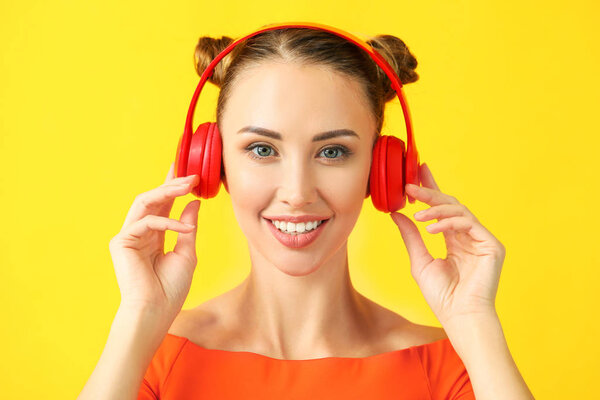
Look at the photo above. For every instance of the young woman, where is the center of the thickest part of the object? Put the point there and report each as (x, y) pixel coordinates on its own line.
(299, 112)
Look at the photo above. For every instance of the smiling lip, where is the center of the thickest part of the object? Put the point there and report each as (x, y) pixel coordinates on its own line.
(296, 219)
(299, 240)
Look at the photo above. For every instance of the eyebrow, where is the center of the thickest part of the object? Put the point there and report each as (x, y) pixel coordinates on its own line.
(320, 136)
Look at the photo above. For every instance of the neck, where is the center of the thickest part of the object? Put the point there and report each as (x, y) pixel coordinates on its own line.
(302, 316)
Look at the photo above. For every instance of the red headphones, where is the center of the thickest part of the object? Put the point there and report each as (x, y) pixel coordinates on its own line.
(392, 166)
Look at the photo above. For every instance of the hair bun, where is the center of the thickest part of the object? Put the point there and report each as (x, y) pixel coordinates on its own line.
(402, 61)
(206, 50)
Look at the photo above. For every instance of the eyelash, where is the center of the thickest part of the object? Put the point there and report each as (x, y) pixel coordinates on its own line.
(345, 152)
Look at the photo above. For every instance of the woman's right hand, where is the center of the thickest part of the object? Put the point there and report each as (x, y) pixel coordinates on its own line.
(147, 277)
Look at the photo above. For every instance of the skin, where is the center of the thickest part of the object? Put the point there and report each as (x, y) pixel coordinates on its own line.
(299, 303)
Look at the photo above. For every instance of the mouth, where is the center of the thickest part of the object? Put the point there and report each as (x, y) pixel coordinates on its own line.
(294, 227)
(295, 239)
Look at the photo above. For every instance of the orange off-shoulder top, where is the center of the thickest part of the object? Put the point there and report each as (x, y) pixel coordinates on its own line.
(181, 370)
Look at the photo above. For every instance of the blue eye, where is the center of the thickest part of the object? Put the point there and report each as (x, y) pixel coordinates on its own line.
(263, 152)
(261, 148)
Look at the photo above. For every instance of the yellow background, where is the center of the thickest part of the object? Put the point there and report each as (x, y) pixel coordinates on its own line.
(93, 99)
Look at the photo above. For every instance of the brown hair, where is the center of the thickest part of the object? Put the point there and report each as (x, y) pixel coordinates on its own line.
(310, 46)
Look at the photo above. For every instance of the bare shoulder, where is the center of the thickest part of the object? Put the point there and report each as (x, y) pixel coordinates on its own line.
(211, 324)
(428, 334)
(191, 323)
(408, 333)
(399, 332)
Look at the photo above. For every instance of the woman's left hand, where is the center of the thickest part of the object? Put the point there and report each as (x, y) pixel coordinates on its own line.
(466, 281)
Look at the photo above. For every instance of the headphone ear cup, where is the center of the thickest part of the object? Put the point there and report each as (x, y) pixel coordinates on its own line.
(180, 170)
(205, 160)
(386, 179)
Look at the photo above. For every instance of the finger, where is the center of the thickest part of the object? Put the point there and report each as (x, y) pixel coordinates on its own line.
(186, 241)
(158, 200)
(171, 174)
(430, 196)
(155, 223)
(417, 251)
(194, 179)
(172, 179)
(442, 211)
(461, 224)
(427, 177)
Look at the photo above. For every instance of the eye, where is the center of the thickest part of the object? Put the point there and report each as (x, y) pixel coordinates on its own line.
(264, 150)
(331, 151)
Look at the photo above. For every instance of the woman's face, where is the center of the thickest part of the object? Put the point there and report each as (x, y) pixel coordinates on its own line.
(288, 173)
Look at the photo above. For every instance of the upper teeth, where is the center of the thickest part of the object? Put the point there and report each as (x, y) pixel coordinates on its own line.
(300, 227)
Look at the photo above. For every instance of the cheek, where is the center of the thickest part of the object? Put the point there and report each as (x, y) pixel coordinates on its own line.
(345, 187)
(243, 182)
(250, 189)
(253, 183)
(249, 196)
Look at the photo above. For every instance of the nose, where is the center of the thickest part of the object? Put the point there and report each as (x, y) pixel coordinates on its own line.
(298, 187)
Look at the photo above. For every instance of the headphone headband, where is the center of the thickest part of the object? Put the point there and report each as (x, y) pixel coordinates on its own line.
(396, 84)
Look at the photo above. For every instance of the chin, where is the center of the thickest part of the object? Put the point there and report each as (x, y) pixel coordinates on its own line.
(300, 271)
(294, 265)
(295, 262)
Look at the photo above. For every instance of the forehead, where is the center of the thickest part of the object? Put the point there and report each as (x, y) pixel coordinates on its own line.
(288, 97)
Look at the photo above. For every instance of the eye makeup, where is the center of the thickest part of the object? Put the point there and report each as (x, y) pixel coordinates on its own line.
(343, 152)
